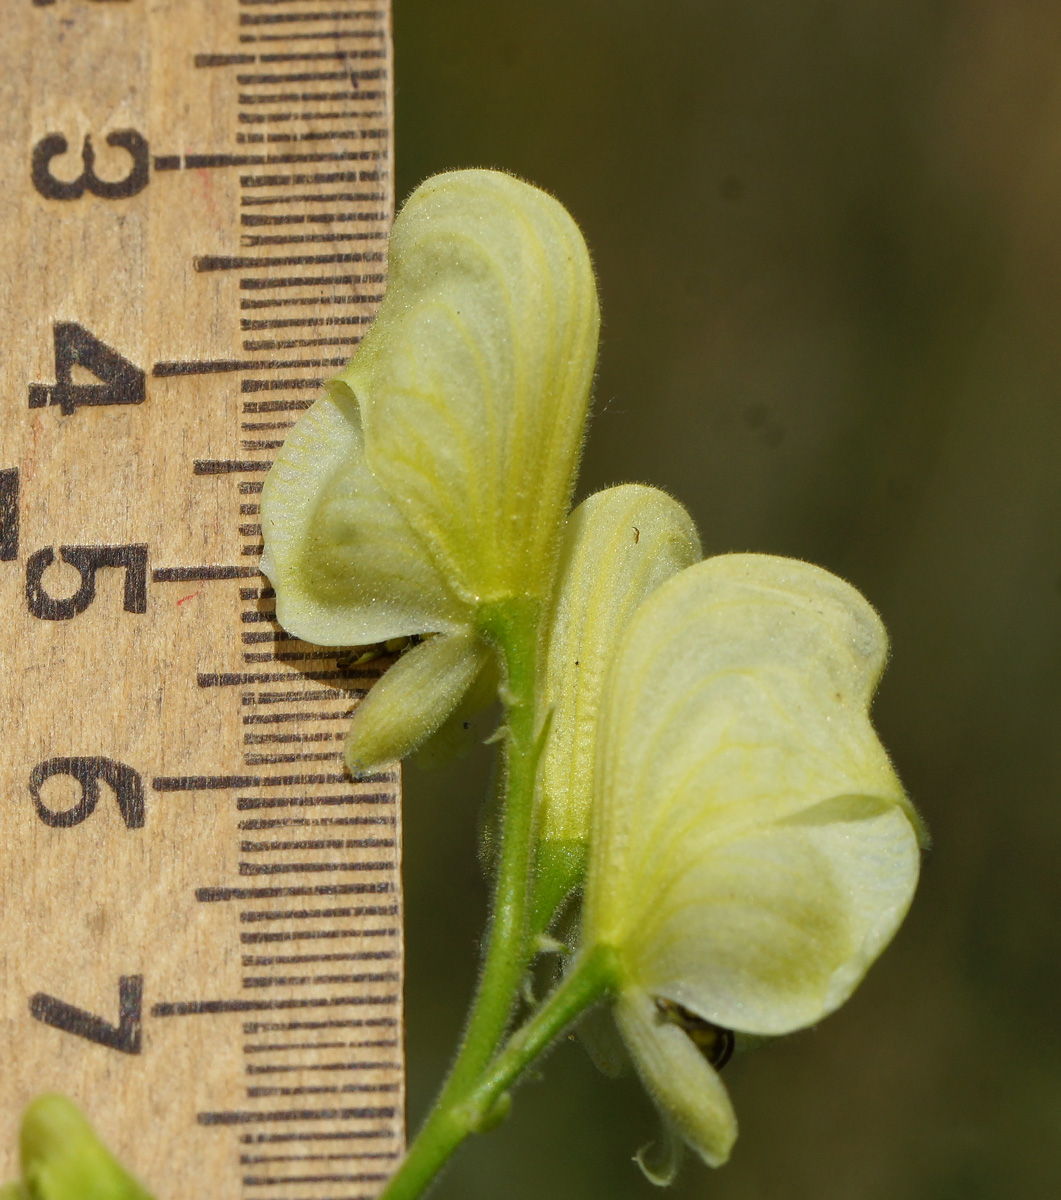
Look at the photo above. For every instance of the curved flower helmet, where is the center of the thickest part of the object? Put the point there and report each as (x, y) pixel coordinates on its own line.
(752, 850)
(620, 545)
(431, 482)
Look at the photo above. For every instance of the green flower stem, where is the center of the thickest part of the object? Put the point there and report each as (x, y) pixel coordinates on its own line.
(591, 977)
(514, 626)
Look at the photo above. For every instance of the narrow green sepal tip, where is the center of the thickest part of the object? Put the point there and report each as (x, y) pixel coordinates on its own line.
(559, 867)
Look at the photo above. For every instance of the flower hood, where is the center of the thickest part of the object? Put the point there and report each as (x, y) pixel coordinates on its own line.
(433, 478)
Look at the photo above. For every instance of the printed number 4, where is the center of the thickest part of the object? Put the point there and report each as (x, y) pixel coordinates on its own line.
(120, 381)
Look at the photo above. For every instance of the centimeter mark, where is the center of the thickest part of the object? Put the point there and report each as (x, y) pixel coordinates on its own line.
(292, 195)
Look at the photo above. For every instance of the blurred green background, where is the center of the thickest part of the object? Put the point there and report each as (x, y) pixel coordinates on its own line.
(828, 237)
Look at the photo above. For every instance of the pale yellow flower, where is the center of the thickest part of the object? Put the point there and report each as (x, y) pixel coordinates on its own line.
(431, 483)
(63, 1159)
(752, 850)
(620, 545)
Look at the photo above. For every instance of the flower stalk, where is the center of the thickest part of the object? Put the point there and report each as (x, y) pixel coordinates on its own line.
(514, 628)
(472, 1109)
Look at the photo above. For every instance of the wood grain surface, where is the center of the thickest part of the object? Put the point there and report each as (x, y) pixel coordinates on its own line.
(201, 911)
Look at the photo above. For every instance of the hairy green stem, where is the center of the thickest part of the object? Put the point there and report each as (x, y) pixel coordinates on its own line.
(514, 626)
(591, 977)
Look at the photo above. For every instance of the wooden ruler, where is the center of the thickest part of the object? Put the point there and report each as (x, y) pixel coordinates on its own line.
(201, 910)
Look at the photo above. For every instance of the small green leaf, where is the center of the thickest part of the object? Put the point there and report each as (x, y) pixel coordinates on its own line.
(63, 1159)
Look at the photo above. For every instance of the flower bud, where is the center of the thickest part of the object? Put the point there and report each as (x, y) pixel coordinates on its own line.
(620, 545)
